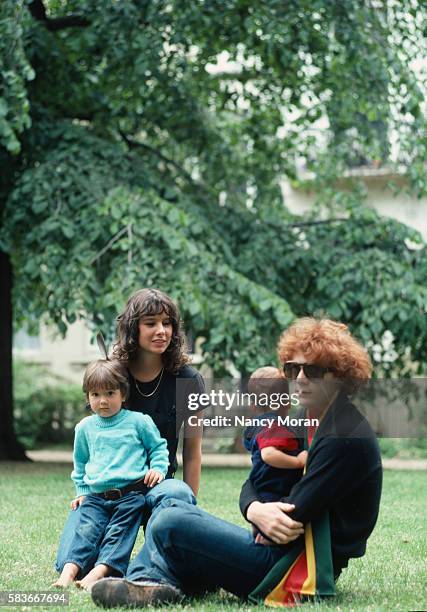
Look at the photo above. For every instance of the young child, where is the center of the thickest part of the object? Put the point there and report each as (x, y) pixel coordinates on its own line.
(118, 456)
(277, 452)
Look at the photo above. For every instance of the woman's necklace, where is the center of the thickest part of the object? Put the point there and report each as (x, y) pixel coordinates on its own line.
(152, 392)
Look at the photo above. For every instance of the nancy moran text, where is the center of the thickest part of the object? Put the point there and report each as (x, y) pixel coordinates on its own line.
(237, 420)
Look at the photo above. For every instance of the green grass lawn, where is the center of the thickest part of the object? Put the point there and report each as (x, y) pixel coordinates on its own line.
(392, 575)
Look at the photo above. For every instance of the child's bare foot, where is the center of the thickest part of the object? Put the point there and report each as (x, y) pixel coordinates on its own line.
(98, 572)
(67, 577)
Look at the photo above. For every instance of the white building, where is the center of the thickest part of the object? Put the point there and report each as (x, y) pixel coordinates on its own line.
(66, 357)
(402, 206)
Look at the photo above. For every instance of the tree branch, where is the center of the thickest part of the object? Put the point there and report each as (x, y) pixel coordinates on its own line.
(70, 21)
(38, 11)
(325, 222)
(79, 116)
(243, 75)
(133, 144)
(114, 239)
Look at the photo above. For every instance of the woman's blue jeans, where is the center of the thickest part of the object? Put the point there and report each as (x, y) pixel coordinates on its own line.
(196, 552)
(168, 489)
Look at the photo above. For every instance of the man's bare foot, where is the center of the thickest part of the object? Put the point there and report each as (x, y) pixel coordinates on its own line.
(98, 572)
(67, 577)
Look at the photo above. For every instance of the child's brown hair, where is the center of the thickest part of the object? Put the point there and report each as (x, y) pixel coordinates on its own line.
(106, 374)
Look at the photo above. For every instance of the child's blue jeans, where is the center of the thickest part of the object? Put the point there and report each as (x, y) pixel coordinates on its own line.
(168, 489)
(106, 532)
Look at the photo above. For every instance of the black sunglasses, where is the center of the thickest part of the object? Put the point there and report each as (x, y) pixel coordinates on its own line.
(291, 370)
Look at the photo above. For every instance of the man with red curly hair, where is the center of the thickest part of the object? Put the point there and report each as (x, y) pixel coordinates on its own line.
(187, 550)
(325, 364)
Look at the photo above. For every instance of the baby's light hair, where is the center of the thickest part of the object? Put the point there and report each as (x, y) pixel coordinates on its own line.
(106, 374)
(267, 380)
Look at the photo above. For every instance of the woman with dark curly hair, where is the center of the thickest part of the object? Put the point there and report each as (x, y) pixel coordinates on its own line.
(151, 342)
(336, 502)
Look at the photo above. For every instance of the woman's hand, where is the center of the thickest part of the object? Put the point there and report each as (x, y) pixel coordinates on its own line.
(272, 519)
(77, 502)
(153, 477)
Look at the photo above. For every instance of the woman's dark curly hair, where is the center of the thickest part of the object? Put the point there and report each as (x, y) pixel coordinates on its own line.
(150, 302)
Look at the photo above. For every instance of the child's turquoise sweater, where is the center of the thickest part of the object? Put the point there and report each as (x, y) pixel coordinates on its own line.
(112, 452)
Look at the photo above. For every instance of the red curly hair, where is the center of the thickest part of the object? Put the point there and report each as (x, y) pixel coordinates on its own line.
(328, 344)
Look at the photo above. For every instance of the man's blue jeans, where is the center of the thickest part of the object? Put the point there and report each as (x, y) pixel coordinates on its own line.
(195, 552)
(169, 488)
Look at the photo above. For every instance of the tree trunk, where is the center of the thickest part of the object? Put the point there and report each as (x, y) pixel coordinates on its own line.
(10, 448)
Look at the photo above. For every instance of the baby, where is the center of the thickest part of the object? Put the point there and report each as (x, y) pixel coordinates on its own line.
(118, 456)
(277, 452)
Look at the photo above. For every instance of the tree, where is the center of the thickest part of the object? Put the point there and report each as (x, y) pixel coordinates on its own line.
(133, 158)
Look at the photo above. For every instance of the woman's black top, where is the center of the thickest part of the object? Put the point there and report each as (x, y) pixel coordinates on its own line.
(167, 406)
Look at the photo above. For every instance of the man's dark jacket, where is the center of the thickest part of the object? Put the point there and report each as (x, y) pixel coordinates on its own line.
(343, 476)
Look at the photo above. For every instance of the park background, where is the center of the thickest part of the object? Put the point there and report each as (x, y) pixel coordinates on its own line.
(258, 161)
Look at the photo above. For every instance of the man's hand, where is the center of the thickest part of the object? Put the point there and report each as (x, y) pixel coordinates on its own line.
(153, 477)
(77, 502)
(272, 519)
(302, 458)
(261, 540)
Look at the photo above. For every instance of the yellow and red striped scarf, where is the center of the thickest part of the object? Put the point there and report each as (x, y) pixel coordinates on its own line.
(305, 572)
